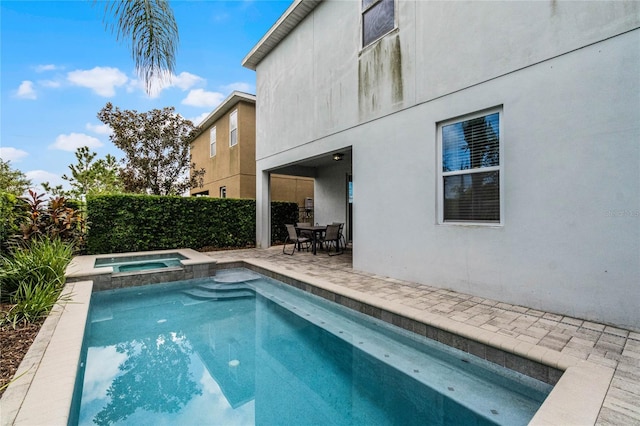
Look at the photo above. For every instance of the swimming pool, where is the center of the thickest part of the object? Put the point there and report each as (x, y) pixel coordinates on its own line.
(238, 348)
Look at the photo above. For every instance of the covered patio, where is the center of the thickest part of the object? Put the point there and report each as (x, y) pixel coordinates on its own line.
(332, 201)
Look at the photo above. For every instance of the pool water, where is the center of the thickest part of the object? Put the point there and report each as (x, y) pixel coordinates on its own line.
(242, 349)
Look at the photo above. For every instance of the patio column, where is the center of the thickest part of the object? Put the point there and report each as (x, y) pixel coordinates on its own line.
(263, 209)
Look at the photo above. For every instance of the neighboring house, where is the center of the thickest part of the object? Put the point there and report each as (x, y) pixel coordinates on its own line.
(494, 147)
(225, 146)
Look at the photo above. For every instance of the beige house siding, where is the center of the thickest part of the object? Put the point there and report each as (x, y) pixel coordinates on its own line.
(291, 188)
(235, 167)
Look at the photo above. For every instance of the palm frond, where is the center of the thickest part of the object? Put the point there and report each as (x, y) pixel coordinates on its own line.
(150, 27)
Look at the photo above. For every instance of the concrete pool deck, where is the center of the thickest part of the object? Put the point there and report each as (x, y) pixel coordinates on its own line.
(602, 363)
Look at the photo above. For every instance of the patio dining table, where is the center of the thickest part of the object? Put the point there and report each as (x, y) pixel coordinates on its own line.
(316, 231)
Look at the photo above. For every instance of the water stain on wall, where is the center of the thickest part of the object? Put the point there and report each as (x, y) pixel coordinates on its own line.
(380, 80)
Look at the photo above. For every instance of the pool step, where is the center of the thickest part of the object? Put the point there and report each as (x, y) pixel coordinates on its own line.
(232, 276)
(214, 286)
(215, 291)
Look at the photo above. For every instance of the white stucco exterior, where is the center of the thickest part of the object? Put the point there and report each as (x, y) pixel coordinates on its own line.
(566, 76)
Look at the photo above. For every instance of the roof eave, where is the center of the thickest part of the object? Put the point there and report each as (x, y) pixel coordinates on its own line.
(230, 101)
(290, 19)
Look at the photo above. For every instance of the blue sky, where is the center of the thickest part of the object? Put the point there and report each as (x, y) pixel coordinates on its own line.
(59, 66)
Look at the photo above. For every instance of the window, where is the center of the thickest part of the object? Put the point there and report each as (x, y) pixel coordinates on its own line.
(470, 169)
(233, 128)
(378, 18)
(212, 142)
(223, 192)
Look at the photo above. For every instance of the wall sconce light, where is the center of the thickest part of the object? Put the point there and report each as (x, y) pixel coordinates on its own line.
(338, 156)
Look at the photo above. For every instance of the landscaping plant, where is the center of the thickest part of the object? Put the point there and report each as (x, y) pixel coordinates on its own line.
(11, 214)
(55, 219)
(31, 278)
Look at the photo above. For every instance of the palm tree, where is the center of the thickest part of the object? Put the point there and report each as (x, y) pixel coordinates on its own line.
(153, 32)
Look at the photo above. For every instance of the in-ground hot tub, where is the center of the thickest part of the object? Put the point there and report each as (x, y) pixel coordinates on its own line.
(132, 269)
(139, 262)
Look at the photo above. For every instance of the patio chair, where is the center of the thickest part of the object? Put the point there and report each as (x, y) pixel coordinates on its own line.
(295, 239)
(331, 237)
(343, 240)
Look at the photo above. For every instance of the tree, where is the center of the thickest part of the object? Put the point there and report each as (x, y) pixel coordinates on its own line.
(156, 145)
(152, 28)
(482, 199)
(12, 181)
(155, 378)
(89, 177)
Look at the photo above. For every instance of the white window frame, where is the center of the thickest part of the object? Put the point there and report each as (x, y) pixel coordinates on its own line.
(365, 10)
(223, 192)
(212, 141)
(441, 174)
(233, 126)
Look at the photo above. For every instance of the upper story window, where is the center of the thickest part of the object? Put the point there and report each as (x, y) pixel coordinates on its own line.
(378, 18)
(233, 128)
(212, 142)
(223, 192)
(470, 169)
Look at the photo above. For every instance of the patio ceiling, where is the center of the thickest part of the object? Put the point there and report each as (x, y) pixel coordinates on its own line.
(308, 166)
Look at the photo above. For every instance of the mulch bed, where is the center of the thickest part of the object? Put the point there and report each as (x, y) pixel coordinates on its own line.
(14, 344)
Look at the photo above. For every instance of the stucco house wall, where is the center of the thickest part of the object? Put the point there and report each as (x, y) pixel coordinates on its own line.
(565, 76)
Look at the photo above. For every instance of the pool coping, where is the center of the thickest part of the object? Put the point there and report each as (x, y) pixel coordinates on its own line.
(579, 386)
(46, 376)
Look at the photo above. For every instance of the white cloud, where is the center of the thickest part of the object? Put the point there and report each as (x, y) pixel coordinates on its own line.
(202, 98)
(37, 177)
(183, 81)
(186, 80)
(156, 86)
(100, 129)
(48, 67)
(12, 154)
(50, 83)
(101, 369)
(239, 86)
(102, 80)
(26, 91)
(73, 141)
(199, 119)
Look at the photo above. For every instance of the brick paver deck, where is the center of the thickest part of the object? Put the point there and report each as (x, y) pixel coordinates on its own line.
(599, 343)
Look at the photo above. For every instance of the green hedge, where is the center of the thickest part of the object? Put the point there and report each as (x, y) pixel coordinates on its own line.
(124, 223)
(282, 213)
(11, 213)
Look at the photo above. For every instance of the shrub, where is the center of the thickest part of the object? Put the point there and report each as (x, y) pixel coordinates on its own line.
(10, 216)
(40, 263)
(124, 223)
(33, 302)
(281, 214)
(54, 219)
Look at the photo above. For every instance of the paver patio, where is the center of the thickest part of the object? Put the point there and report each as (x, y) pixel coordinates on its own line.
(599, 343)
